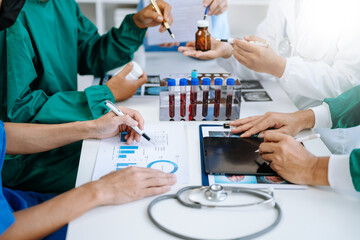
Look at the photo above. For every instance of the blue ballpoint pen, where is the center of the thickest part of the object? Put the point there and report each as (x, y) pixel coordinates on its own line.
(206, 11)
(118, 112)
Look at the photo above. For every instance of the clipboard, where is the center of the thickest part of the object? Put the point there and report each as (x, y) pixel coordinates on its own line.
(259, 181)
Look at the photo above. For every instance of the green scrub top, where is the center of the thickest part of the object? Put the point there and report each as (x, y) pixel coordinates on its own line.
(42, 53)
(345, 113)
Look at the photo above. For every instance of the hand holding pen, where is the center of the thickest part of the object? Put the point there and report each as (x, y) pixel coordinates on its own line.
(215, 7)
(137, 128)
(150, 17)
(165, 21)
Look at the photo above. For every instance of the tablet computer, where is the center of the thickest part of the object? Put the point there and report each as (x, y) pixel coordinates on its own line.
(223, 155)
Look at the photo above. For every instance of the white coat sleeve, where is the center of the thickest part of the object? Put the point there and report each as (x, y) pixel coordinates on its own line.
(318, 80)
(339, 174)
(322, 116)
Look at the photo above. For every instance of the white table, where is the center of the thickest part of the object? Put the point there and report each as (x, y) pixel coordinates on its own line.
(315, 213)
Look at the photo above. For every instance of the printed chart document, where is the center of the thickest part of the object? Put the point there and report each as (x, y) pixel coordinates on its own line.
(169, 154)
(186, 13)
(275, 182)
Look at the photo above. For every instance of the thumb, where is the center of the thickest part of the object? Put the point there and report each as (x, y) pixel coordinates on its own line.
(126, 70)
(142, 79)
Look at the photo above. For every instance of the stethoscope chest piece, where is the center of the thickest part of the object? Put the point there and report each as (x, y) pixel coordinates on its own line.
(216, 193)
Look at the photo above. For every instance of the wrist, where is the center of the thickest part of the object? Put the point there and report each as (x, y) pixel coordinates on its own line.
(320, 172)
(94, 192)
(88, 129)
(137, 20)
(306, 119)
(279, 68)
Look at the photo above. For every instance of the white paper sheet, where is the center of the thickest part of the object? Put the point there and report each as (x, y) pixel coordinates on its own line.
(186, 13)
(245, 180)
(169, 154)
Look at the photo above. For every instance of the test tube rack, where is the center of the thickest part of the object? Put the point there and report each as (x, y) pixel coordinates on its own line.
(236, 102)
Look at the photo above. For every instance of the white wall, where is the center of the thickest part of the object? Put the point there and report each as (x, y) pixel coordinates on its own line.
(244, 15)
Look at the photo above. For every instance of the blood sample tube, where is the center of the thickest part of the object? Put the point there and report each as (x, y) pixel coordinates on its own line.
(218, 85)
(171, 85)
(205, 86)
(193, 97)
(183, 84)
(230, 82)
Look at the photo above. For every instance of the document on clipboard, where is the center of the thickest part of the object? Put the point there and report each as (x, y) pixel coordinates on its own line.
(245, 163)
(186, 13)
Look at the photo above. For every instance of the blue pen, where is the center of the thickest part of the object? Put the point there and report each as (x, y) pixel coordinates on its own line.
(206, 11)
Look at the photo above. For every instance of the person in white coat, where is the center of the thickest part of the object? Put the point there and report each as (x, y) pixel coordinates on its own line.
(313, 52)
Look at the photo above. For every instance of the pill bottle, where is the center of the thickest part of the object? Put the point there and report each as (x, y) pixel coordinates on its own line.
(135, 73)
(202, 36)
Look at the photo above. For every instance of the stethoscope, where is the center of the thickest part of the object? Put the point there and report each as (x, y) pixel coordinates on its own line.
(218, 193)
(285, 44)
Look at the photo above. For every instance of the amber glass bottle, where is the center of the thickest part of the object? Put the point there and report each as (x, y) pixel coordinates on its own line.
(202, 36)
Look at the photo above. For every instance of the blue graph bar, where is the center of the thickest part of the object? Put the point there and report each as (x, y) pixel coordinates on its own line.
(127, 152)
(129, 147)
(122, 156)
(125, 164)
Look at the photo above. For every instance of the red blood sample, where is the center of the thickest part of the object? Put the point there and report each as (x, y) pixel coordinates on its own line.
(193, 102)
(228, 105)
(217, 102)
(182, 104)
(205, 103)
(171, 105)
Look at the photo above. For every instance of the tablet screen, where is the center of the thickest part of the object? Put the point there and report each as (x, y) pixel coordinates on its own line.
(234, 156)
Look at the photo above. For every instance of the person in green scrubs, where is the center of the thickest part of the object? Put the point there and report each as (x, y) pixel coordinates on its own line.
(291, 160)
(40, 57)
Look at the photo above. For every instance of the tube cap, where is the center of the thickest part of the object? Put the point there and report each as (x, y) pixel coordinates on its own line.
(218, 81)
(194, 82)
(230, 82)
(183, 82)
(194, 73)
(171, 82)
(206, 81)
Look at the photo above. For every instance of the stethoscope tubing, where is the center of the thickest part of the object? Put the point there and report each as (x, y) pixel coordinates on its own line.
(258, 193)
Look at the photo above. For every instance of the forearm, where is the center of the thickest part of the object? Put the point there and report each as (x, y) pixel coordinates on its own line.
(41, 220)
(24, 138)
(320, 174)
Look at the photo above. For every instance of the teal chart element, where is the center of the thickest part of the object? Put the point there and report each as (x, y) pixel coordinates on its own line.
(124, 150)
(124, 165)
(164, 165)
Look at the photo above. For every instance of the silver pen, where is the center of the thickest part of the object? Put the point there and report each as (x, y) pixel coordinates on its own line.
(231, 41)
(118, 112)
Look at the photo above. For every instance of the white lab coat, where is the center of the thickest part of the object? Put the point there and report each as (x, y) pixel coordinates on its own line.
(325, 56)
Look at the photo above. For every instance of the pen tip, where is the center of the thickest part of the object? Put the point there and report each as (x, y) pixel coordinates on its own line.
(172, 35)
(152, 142)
